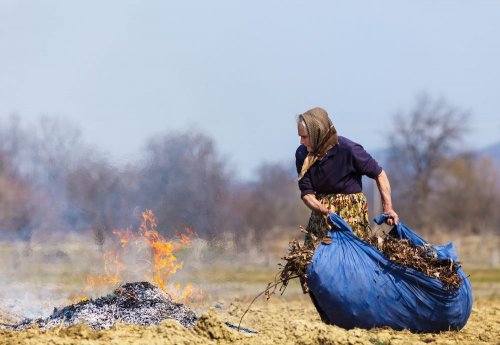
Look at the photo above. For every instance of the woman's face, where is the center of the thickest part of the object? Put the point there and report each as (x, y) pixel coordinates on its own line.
(304, 137)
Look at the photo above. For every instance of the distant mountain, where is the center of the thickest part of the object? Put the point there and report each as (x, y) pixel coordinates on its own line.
(492, 151)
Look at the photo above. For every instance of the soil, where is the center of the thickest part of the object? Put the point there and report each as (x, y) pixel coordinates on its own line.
(277, 321)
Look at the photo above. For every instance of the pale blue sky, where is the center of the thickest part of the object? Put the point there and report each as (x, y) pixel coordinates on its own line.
(240, 71)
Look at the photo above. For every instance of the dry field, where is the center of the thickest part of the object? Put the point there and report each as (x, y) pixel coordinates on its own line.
(280, 321)
(51, 273)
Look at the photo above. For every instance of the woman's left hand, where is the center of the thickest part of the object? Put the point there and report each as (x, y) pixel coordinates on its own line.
(393, 217)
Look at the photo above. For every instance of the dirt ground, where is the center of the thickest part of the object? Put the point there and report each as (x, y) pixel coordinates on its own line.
(51, 275)
(277, 321)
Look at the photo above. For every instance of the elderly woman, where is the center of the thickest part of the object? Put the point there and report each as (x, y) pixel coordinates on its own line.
(330, 168)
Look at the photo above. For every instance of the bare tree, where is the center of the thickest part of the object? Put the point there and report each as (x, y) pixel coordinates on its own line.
(185, 182)
(38, 158)
(54, 147)
(98, 196)
(273, 200)
(467, 194)
(16, 206)
(420, 141)
(100, 231)
(15, 203)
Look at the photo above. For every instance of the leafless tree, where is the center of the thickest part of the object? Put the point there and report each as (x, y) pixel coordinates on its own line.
(98, 196)
(466, 194)
(99, 231)
(16, 205)
(185, 182)
(421, 139)
(37, 157)
(273, 200)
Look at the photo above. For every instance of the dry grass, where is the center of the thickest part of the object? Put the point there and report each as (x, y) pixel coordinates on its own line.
(52, 274)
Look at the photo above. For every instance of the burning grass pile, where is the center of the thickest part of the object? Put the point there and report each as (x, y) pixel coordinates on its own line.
(138, 303)
(420, 258)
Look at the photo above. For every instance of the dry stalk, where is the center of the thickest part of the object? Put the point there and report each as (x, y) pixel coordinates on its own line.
(298, 258)
(420, 258)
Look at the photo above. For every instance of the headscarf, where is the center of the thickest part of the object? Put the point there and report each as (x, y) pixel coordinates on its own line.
(322, 134)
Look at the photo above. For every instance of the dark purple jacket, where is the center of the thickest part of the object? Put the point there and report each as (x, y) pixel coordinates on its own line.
(339, 172)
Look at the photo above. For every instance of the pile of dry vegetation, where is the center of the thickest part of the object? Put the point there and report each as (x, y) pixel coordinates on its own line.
(400, 251)
(420, 258)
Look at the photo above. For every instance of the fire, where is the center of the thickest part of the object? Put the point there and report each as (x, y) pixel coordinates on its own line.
(155, 259)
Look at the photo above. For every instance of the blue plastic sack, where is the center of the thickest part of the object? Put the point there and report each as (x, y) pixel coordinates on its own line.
(355, 285)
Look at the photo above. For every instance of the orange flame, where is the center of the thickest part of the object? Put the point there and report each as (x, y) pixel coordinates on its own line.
(159, 257)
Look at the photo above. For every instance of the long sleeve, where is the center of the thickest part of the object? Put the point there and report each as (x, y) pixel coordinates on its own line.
(364, 163)
(305, 183)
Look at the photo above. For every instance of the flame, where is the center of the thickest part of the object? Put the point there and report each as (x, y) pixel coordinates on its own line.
(188, 292)
(155, 252)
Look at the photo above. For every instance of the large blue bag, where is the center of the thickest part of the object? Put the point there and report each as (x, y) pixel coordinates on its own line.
(355, 285)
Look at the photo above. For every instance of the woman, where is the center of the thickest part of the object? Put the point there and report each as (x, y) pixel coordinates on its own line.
(330, 168)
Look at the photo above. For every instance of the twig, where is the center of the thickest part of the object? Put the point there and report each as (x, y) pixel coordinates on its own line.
(270, 286)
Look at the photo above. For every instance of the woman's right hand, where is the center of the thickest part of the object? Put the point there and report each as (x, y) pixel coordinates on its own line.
(326, 210)
(315, 205)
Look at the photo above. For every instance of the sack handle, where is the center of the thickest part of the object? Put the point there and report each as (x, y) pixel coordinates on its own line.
(383, 217)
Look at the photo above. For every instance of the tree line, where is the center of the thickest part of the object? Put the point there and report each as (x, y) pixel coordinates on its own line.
(439, 184)
(50, 181)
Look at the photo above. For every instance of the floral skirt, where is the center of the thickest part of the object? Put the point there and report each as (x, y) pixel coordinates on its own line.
(353, 208)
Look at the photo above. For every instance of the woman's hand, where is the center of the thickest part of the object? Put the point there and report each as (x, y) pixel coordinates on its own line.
(393, 217)
(315, 205)
(327, 210)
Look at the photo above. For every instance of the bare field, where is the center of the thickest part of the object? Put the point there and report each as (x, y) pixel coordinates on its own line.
(37, 278)
(277, 322)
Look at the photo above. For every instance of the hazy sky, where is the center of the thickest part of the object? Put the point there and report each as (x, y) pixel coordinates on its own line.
(240, 71)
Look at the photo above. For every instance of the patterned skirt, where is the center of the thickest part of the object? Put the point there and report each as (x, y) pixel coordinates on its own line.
(353, 208)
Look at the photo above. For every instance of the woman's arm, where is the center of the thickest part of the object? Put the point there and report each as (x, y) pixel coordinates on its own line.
(385, 193)
(314, 204)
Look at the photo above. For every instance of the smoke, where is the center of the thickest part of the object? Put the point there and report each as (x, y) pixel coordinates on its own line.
(60, 201)
(30, 285)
